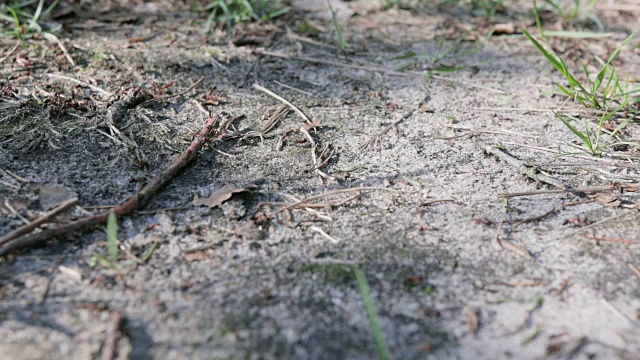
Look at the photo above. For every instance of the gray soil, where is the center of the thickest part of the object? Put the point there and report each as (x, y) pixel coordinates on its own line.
(440, 247)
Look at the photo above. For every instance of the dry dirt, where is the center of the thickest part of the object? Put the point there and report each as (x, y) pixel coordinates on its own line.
(240, 281)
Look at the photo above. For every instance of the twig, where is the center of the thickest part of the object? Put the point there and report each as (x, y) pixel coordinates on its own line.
(600, 222)
(588, 111)
(137, 201)
(200, 107)
(93, 87)
(110, 346)
(167, 97)
(617, 312)
(14, 212)
(600, 238)
(328, 193)
(283, 100)
(634, 269)
(292, 88)
(10, 52)
(8, 184)
(593, 163)
(295, 37)
(515, 248)
(55, 39)
(317, 162)
(523, 169)
(394, 124)
(562, 288)
(324, 234)
(284, 203)
(534, 219)
(24, 229)
(503, 132)
(436, 201)
(17, 177)
(583, 189)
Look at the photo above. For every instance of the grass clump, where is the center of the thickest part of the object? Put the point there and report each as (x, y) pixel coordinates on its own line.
(570, 16)
(232, 12)
(604, 92)
(23, 19)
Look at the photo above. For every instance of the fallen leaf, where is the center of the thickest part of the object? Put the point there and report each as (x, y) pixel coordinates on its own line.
(504, 29)
(471, 318)
(218, 197)
(608, 200)
(198, 255)
(72, 273)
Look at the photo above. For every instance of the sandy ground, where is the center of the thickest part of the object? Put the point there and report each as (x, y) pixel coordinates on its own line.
(455, 270)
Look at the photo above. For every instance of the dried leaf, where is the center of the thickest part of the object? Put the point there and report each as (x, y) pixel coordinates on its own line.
(522, 251)
(504, 29)
(72, 273)
(471, 318)
(608, 200)
(198, 255)
(218, 197)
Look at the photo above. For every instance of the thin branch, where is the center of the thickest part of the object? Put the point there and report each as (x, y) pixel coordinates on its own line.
(600, 222)
(523, 169)
(283, 100)
(54, 39)
(137, 201)
(328, 193)
(163, 98)
(93, 87)
(24, 229)
(578, 190)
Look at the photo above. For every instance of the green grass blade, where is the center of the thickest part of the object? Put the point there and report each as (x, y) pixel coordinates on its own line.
(112, 237)
(585, 139)
(370, 309)
(536, 12)
(611, 57)
(550, 57)
(212, 16)
(147, 255)
(227, 14)
(275, 14)
(587, 75)
(590, 143)
(554, 4)
(341, 43)
(36, 15)
(596, 20)
(45, 14)
(16, 23)
(564, 90)
(408, 55)
(249, 8)
(554, 60)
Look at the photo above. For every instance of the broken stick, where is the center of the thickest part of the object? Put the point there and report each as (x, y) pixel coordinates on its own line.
(137, 201)
(523, 168)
